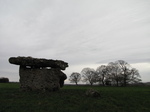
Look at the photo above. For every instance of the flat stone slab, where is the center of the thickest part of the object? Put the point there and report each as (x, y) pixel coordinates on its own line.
(38, 62)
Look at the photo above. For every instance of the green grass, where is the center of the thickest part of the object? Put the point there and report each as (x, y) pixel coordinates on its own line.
(73, 99)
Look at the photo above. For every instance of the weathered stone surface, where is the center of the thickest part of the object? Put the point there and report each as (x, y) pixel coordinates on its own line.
(92, 93)
(38, 62)
(40, 74)
(41, 79)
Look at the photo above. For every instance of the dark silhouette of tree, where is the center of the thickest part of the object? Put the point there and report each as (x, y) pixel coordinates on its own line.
(102, 73)
(4, 80)
(118, 73)
(75, 77)
(122, 73)
(114, 73)
(107, 82)
(89, 75)
(125, 71)
(134, 76)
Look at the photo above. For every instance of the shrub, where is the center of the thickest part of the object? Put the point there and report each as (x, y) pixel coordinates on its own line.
(4, 80)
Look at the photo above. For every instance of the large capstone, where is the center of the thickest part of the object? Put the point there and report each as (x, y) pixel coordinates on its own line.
(40, 74)
(38, 62)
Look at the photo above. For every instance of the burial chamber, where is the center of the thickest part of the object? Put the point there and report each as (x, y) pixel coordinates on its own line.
(40, 74)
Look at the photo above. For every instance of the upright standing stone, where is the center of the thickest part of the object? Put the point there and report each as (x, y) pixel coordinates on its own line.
(40, 74)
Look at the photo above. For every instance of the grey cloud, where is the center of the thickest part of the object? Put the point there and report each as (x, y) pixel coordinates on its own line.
(79, 32)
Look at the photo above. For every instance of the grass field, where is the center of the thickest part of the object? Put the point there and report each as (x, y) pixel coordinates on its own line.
(73, 99)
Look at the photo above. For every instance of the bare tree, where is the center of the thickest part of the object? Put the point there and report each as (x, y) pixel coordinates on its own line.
(125, 70)
(102, 72)
(75, 77)
(89, 75)
(134, 76)
(114, 73)
(122, 73)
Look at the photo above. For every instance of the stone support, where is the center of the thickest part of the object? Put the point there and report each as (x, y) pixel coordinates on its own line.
(40, 74)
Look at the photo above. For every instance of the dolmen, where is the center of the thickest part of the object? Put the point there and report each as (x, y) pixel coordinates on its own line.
(40, 74)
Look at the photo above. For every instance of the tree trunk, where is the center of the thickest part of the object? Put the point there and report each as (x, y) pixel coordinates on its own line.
(76, 83)
(125, 83)
(117, 83)
(91, 83)
(103, 83)
(125, 80)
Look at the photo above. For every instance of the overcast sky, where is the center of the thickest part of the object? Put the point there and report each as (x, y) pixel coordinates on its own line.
(84, 33)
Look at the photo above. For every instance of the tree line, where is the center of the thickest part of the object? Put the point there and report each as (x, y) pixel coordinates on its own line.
(118, 73)
(4, 80)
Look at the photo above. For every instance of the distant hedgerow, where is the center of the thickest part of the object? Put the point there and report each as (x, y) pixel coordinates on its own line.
(4, 80)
